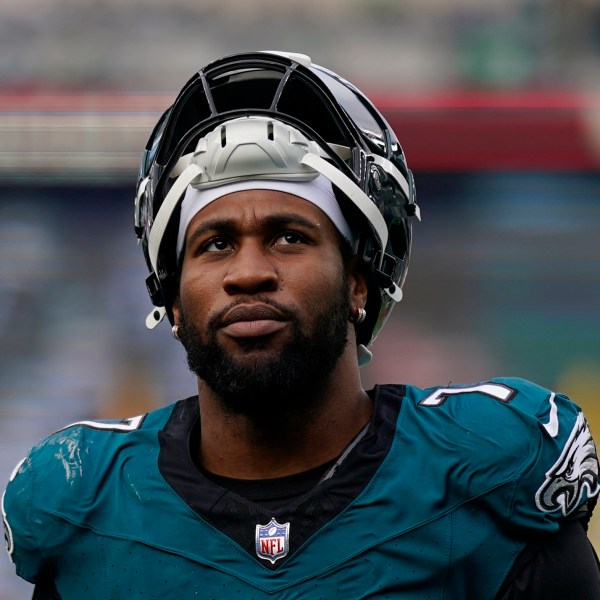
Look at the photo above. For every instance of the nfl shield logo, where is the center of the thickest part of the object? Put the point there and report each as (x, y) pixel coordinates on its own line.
(272, 540)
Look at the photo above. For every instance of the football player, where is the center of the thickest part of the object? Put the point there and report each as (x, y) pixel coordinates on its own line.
(274, 208)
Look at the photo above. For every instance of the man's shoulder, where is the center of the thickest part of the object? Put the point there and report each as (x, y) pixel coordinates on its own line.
(94, 473)
(512, 401)
(514, 417)
(80, 439)
(74, 460)
(507, 399)
(506, 390)
(507, 432)
(503, 414)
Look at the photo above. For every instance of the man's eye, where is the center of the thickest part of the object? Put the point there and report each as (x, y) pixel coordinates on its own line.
(290, 237)
(216, 245)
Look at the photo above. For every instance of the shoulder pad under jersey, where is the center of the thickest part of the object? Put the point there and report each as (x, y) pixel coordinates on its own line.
(511, 432)
(63, 478)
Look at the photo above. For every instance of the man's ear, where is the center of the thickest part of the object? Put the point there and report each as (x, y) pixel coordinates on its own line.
(176, 308)
(357, 281)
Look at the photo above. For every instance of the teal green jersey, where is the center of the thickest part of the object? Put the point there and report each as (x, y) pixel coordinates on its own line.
(435, 499)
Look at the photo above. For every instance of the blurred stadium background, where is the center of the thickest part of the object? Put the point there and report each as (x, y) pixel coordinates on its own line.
(497, 106)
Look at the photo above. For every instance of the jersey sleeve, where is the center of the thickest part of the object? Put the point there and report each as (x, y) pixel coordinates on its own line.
(527, 450)
(48, 479)
(564, 474)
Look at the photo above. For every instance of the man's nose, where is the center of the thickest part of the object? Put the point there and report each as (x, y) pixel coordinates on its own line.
(250, 270)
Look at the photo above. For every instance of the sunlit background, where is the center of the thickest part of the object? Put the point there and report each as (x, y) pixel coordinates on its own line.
(497, 106)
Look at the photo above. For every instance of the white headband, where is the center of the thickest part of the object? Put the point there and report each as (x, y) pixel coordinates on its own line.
(318, 191)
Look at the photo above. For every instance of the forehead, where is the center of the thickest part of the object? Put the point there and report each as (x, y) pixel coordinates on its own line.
(254, 207)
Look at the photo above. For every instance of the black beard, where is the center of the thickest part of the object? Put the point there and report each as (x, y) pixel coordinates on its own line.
(281, 385)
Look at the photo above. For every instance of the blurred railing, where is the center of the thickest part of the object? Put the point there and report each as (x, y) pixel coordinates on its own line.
(100, 135)
(75, 135)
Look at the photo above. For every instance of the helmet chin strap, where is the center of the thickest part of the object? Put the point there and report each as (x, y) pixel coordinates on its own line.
(159, 227)
(163, 216)
(353, 192)
(155, 317)
(364, 355)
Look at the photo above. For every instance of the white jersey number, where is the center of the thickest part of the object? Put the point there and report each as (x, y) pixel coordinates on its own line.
(129, 424)
(497, 391)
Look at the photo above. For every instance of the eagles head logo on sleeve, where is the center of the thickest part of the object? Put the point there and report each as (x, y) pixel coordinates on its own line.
(575, 472)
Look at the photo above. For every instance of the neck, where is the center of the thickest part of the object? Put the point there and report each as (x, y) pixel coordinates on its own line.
(284, 442)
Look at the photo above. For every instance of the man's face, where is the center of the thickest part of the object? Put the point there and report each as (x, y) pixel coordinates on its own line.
(264, 299)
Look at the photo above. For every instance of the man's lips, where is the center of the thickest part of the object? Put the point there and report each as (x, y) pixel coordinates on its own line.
(252, 320)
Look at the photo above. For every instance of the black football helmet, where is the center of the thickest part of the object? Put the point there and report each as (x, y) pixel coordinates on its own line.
(355, 149)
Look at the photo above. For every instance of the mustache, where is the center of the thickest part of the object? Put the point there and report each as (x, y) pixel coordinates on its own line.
(253, 308)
